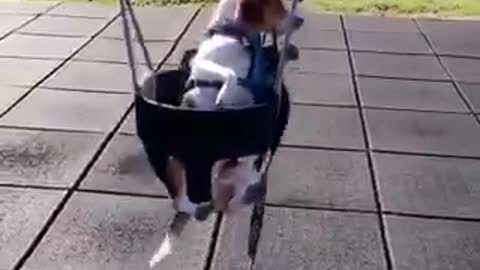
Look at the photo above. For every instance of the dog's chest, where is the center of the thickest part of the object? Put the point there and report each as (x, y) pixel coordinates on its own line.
(226, 51)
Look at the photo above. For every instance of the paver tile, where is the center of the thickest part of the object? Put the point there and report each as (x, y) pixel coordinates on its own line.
(192, 38)
(115, 232)
(90, 10)
(421, 132)
(399, 66)
(9, 22)
(93, 76)
(44, 158)
(8, 96)
(124, 167)
(185, 44)
(112, 50)
(429, 185)
(197, 30)
(463, 69)
(321, 62)
(315, 21)
(172, 21)
(39, 46)
(23, 212)
(389, 42)
(69, 110)
(473, 93)
(453, 37)
(380, 24)
(403, 94)
(25, 7)
(312, 38)
(311, 240)
(128, 126)
(434, 244)
(328, 127)
(24, 72)
(317, 88)
(232, 243)
(64, 26)
(317, 178)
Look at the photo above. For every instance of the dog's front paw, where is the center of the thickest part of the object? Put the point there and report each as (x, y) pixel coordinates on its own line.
(203, 211)
(293, 53)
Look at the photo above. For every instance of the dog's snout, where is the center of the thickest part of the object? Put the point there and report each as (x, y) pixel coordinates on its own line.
(297, 22)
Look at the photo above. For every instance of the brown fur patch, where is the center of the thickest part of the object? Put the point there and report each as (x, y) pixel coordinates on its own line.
(262, 14)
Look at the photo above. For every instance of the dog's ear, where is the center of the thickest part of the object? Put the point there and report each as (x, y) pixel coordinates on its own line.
(261, 15)
(252, 12)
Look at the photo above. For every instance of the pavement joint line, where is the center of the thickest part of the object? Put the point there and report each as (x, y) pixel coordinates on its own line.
(458, 88)
(100, 61)
(84, 90)
(119, 193)
(461, 56)
(46, 129)
(431, 217)
(321, 148)
(360, 75)
(20, 57)
(320, 49)
(372, 212)
(146, 40)
(382, 108)
(29, 186)
(115, 62)
(364, 125)
(34, 17)
(323, 105)
(376, 31)
(58, 67)
(126, 133)
(213, 242)
(373, 51)
(420, 154)
(20, 32)
(335, 106)
(313, 73)
(59, 15)
(373, 107)
(321, 208)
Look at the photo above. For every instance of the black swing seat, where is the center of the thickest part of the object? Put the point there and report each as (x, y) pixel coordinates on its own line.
(185, 132)
(197, 137)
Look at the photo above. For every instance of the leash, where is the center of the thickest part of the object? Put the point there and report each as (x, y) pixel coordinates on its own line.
(256, 218)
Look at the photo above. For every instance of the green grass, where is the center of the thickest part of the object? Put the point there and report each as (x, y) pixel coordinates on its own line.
(143, 2)
(439, 8)
(400, 7)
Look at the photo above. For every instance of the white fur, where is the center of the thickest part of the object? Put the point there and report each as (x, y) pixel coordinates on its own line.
(221, 58)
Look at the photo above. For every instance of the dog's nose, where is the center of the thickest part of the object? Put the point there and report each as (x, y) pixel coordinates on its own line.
(298, 22)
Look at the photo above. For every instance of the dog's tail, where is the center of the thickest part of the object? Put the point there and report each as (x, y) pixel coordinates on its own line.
(172, 236)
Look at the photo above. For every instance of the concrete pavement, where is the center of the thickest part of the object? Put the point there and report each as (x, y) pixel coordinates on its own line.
(379, 169)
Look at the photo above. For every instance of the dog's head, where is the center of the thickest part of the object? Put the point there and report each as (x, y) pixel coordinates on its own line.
(264, 15)
(261, 15)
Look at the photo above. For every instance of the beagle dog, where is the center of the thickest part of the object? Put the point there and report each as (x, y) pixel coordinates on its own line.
(217, 80)
(220, 65)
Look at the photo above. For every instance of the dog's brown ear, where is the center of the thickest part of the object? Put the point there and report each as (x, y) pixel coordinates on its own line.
(261, 14)
(252, 12)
